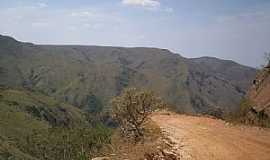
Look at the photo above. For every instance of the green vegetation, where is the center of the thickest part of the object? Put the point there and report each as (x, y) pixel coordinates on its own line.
(248, 115)
(67, 144)
(93, 104)
(245, 107)
(44, 83)
(39, 107)
(240, 116)
(58, 144)
(89, 76)
(252, 117)
(34, 126)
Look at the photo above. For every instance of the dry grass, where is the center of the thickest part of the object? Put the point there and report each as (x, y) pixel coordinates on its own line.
(122, 148)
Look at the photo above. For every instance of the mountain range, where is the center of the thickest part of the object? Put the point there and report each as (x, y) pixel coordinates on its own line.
(89, 76)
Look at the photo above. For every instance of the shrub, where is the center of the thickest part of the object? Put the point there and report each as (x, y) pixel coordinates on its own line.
(245, 106)
(132, 109)
(248, 115)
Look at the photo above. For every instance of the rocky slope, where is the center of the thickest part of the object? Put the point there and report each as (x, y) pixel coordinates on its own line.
(89, 76)
(259, 95)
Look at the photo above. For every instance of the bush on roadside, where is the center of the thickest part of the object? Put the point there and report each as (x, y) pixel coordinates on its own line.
(132, 109)
(245, 107)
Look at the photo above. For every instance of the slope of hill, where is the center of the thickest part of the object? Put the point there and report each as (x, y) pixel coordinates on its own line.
(89, 76)
(23, 112)
(259, 96)
(217, 83)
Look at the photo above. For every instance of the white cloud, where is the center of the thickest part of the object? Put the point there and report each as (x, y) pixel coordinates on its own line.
(42, 5)
(151, 4)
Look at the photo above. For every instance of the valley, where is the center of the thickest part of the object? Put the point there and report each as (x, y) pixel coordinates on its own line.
(135, 80)
(57, 98)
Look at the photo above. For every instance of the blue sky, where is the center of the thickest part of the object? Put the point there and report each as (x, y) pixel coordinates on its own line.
(231, 29)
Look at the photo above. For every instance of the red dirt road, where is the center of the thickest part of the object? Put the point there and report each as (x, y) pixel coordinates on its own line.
(201, 138)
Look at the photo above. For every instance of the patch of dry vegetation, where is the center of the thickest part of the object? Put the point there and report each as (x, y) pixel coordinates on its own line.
(137, 136)
(123, 148)
(247, 115)
(132, 111)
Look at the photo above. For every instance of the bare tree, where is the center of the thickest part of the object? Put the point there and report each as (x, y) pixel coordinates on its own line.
(132, 109)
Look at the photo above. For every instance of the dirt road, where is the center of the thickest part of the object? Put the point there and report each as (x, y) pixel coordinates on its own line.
(201, 138)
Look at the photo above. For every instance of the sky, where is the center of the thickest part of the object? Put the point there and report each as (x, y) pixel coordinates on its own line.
(237, 30)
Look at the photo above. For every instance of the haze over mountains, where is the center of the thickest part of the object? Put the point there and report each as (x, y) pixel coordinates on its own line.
(89, 76)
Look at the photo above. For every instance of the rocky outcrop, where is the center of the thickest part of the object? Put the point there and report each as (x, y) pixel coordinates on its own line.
(259, 95)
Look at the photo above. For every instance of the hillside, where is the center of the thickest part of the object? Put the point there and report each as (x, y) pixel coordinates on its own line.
(259, 97)
(89, 76)
(217, 83)
(23, 112)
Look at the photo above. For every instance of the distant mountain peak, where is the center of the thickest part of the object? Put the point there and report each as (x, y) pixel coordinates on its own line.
(7, 39)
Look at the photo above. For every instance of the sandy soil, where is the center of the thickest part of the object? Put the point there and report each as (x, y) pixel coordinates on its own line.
(202, 138)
